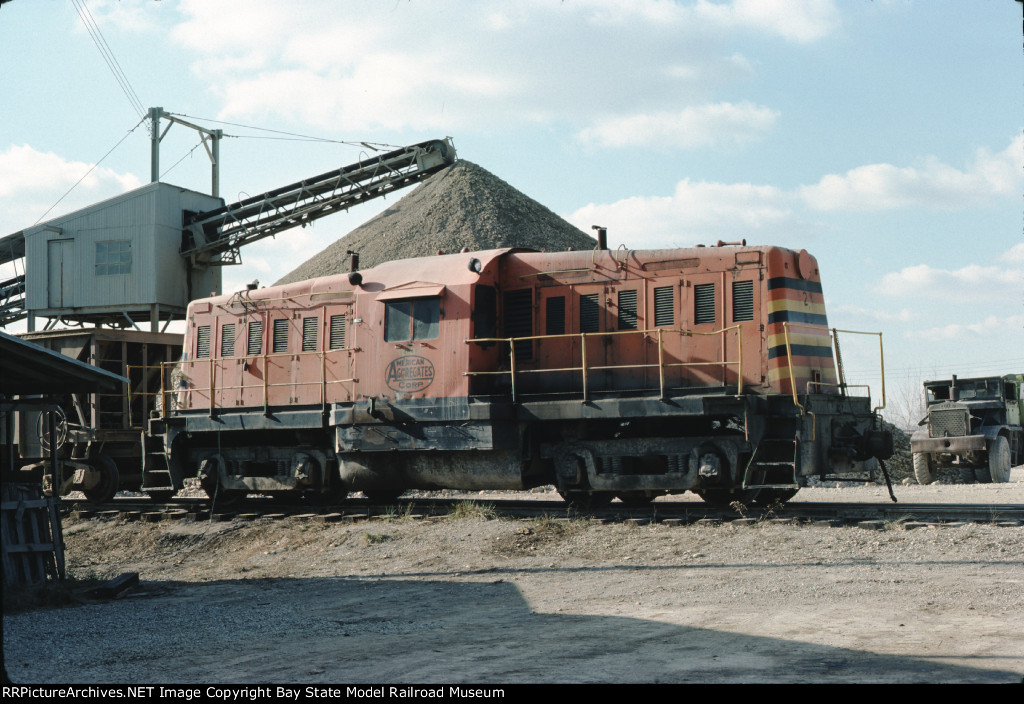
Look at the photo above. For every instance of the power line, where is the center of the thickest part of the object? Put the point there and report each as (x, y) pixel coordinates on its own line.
(368, 145)
(108, 55)
(91, 168)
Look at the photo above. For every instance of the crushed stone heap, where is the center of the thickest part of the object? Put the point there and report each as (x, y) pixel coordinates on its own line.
(462, 206)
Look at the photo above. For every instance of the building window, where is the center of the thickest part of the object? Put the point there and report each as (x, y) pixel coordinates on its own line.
(415, 319)
(113, 257)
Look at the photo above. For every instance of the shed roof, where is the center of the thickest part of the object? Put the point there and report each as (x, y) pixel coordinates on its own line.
(28, 368)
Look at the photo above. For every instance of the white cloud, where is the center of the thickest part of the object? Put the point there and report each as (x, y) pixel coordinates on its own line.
(697, 212)
(877, 187)
(798, 20)
(1015, 255)
(971, 283)
(902, 315)
(30, 178)
(698, 126)
(989, 327)
(367, 65)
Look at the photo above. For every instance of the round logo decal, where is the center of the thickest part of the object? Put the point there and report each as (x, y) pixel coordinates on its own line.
(409, 374)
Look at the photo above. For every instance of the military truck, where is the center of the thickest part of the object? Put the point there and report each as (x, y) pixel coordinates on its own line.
(973, 424)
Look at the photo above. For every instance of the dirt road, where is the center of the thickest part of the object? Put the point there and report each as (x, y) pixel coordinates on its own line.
(470, 598)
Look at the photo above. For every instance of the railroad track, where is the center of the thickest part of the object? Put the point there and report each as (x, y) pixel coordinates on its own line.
(867, 515)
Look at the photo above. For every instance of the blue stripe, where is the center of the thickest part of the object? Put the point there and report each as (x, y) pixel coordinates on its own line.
(794, 284)
(794, 316)
(801, 351)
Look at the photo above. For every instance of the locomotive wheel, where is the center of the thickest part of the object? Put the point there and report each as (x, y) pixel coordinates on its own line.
(726, 497)
(767, 497)
(586, 500)
(109, 478)
(923, 470)
(999, 461)
(221, 497)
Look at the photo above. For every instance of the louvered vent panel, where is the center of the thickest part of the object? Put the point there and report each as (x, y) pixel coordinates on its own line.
(227, 340)
(203, 341)
(517, 319)
(627, 310)
(703, 304)
(309, 334)
(255, 344)
(281, 335)
(590, 313)
(664, 307)
(742, 301)
(555, 316)
(337, 332)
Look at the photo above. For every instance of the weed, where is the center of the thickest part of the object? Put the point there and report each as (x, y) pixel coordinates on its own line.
(375, 538)
(472, 509)
(393, 512)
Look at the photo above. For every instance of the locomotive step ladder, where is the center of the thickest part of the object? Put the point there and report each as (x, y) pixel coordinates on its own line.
(156, 475)
(773, 464)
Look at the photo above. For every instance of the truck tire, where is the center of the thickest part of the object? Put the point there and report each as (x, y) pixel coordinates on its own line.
(923, 468)
(999, 460)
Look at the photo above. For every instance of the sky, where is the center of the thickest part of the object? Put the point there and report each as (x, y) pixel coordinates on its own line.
(883, 136)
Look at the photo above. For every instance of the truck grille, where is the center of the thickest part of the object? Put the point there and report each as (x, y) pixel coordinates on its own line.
(949, 422)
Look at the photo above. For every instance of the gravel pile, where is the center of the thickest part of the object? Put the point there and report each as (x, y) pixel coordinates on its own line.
(462, 206)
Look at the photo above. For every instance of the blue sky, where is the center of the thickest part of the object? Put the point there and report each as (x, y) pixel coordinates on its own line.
(885, 136)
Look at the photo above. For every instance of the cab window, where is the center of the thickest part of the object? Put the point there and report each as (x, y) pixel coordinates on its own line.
(414, 319)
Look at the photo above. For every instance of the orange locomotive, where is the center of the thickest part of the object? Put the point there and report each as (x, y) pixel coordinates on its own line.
(626, 373)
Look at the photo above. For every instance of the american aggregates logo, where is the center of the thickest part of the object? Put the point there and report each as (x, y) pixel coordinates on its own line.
(409, 374)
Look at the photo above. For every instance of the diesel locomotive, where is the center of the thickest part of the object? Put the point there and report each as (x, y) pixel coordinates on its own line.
(628, 374)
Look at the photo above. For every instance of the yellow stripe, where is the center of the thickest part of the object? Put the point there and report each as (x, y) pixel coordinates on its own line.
(815, 308)
(811, 338)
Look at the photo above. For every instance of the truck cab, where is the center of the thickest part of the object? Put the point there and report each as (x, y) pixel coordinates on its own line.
(973, 424)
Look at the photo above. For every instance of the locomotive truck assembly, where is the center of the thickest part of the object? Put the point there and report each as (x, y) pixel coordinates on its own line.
(628, 373)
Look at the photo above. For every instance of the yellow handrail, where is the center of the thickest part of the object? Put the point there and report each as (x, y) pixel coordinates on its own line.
(584, 368)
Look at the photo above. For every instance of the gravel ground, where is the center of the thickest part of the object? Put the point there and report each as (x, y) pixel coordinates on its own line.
(471, 598)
